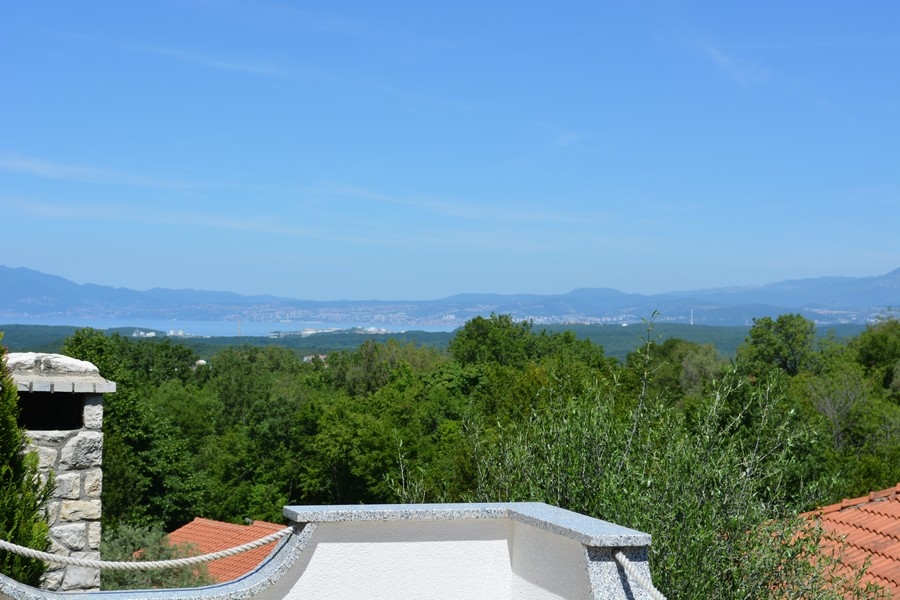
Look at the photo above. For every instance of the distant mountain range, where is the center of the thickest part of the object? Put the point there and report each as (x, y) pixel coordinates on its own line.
(28, 295)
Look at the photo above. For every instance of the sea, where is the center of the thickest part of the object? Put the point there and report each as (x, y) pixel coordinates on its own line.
(188, 328)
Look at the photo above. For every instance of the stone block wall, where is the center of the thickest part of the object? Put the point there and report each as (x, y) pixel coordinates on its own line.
(75, 508)
(62, 408)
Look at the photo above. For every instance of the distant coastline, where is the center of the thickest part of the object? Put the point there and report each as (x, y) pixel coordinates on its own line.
(201, 328)
(31, 297)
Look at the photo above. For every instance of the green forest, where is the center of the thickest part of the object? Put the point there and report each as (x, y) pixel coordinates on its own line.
(715, 456)
(617, 341)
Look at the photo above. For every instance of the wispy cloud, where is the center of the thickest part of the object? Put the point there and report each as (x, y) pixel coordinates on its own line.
(743, 72)
(341, 190)
(567, 138)
(818, 43)
(516, 212)
(206, 60)
(275, 16)
(676, 208)
(364, 87)
(45, 169)
(564, 138)
(151, 216)
(237, 65)
(367, 86)
(88, 211)
(322, 22)
(462, 237)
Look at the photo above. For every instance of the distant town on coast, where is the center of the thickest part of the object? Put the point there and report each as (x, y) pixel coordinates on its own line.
(32, 297)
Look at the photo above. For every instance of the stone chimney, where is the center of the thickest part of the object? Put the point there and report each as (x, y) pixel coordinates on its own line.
(61, 402)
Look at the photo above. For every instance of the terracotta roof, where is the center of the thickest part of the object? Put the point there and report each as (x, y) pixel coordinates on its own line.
(870, 526)
(211, 536)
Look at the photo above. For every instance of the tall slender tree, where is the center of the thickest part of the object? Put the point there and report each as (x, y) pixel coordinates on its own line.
(23, 518)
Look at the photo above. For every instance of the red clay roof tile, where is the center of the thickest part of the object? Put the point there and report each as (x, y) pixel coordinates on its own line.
(208, 536)
(870, 526)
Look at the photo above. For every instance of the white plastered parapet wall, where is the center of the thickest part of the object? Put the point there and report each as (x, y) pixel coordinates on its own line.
(438, 551)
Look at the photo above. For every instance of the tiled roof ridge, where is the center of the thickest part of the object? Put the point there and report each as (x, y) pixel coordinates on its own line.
(861, 527)
(239, 526)
(878, 496)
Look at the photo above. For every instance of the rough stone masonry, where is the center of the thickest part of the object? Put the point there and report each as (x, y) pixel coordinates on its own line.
(62, 411)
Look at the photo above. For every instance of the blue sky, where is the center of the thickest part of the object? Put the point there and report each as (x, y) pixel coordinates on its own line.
(414, 150)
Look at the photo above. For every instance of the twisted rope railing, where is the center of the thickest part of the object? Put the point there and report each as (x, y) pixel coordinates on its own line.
(637, 576)
(627, 565)
(124, 565)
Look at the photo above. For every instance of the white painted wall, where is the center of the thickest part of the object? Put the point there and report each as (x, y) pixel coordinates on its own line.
(489, 559)
(546, 565)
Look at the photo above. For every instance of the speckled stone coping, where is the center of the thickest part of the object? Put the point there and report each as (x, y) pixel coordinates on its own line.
(40, 372)
(583, 529)
(265, 580)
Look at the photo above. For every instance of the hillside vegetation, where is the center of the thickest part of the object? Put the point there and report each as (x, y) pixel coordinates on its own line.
(713, 457)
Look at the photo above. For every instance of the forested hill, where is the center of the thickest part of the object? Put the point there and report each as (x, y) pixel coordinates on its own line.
(29, 294)
(616, 341)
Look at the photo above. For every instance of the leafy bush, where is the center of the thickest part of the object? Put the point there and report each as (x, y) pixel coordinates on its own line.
(147, 542)
(713, 488)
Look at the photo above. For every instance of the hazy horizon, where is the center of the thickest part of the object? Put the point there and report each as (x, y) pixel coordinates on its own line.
(459, 293)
